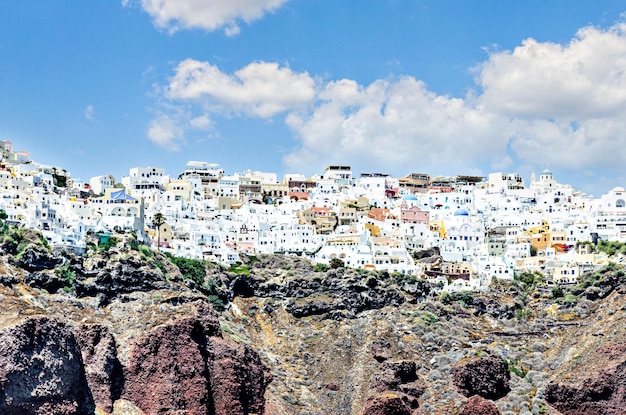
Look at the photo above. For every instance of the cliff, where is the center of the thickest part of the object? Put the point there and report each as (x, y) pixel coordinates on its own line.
(124, 330)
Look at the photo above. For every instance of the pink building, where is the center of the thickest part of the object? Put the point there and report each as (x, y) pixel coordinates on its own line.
(415, 215)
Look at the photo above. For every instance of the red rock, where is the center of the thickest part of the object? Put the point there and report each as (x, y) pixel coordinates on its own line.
(477, 405)
(167, 371)
(389, 403)
(237, 378)
(185, 367)
(601, 393)
(485, 376)
(102, 367)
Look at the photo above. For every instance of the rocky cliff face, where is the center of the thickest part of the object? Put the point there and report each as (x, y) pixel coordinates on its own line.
(122, 332)
(183, 367)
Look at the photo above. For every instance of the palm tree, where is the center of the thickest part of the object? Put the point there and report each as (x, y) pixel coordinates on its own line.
(157, 221)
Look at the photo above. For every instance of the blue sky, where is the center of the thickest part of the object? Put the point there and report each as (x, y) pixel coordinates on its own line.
(392, 86)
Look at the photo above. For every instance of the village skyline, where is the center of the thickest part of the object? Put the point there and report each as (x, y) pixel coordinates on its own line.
(295, 85)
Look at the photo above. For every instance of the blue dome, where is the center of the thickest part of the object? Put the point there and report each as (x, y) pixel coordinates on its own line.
(546, 171)
(461, 212)
(409, 196)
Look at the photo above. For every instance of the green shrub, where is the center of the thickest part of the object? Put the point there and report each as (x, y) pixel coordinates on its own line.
(239, 269)
(557, 292)
(319, 267)
(105, 246)
(161, 266)
(464, 298)
(68, 276)
(523, 313)
(336, 263)
(193, 269)
(216, 302)
(146, 251)
(569, 299)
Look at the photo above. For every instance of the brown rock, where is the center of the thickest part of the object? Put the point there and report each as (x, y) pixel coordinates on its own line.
(477, 405)
(102, 367)
(185, 368)
(167, 371)
(602, 393)
(485, 376)
(237, 377)
(389, 403)
(41, 370)
(381, 349)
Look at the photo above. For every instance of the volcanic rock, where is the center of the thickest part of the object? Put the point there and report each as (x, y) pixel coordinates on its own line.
(387, 404)
(188, 368)
(485, 376)
(41, 370)
(477, 405)
(102, 367)
(603, 393)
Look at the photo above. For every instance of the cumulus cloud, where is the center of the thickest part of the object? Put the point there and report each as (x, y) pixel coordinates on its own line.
(396, 125)
(260, 89)
(166, 132)
(210, 15)
(541, 104)
(584, 79)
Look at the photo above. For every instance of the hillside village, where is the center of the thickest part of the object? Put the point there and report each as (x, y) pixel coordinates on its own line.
(478, 227)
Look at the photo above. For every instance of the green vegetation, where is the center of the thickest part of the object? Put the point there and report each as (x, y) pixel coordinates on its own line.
(557, 292)
(67, 275)
(604, 280)
(529, 281)
(161, 266)
(17, 240)
(336, 263)
(610, 248)
(108, 244)
(515, 367)
(213, 297)
(239, 269)
(429, 318)
(568, 299)
(401, 279)
(191, 269)
(319, 267)
(523, 313)
(146, 252)
(59, 180)
(464, 298)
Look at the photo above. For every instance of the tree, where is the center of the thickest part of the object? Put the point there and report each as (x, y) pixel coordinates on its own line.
(157, 221)
(336, 263)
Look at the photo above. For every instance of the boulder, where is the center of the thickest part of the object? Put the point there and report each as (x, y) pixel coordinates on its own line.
(102, 367)
(389, 403)
(477, 405)
(186, 367)
(485, 376)
(41, 370)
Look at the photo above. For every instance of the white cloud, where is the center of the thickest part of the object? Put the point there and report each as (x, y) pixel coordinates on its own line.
(542, 104)
(88, 112)
(165, 131)
(202, 122)
(260, 89)
(584, 79)
(399, 126)
(210, 15)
